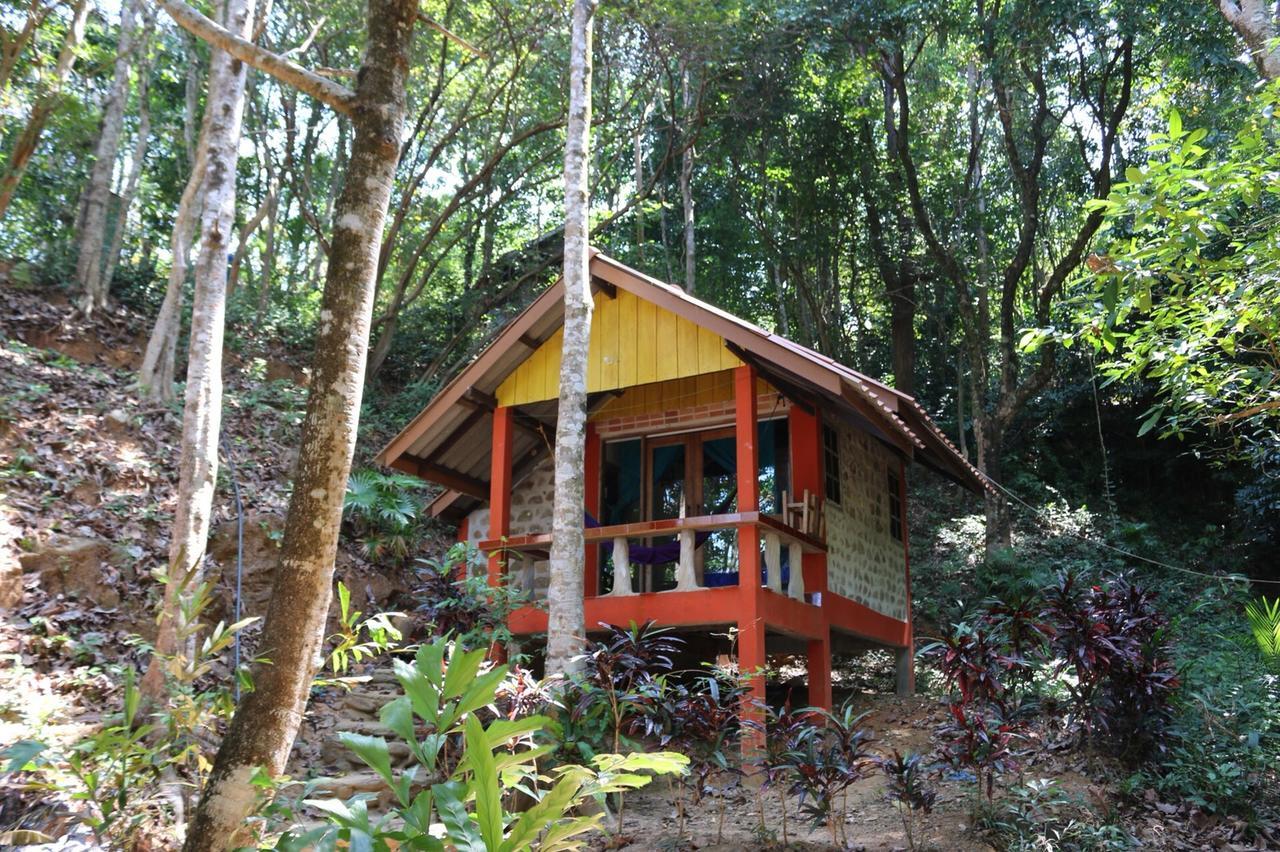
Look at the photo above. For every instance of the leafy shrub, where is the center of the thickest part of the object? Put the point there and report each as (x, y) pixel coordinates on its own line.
(977, 738)
(620, 686)
(1041, 815)
(461, 791)
(907, 787)
(824, 756)
(456, 599)
(383, 512)
(701, 721)
(1113, 641)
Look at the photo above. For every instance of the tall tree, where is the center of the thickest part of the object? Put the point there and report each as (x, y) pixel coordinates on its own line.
(48, 96)
(262, 732)
(566, 627)
(1021, 50)
(92, 240)
(202, 405)
(1258, 23)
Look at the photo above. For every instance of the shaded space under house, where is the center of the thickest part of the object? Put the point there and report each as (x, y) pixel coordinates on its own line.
(733, 478)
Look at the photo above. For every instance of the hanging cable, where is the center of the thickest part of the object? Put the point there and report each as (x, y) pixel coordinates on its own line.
(235, 485)
(1238, 578)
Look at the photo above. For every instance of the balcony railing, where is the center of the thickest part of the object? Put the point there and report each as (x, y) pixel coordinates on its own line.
(774, 535)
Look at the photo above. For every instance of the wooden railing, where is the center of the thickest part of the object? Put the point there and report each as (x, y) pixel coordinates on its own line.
(774, 534)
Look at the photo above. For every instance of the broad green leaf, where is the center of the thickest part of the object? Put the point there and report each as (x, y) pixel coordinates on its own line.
(484, 783)
(373, 751)
(463, 833)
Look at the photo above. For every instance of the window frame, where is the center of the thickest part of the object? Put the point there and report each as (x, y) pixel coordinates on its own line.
(831, 463)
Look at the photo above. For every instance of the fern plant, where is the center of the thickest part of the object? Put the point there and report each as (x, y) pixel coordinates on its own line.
(1264, 623)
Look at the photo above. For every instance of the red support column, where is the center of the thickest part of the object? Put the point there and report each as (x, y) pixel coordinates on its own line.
(500, 494)
(805, 428)
(591, 497)
(907, 656)
(752, 654)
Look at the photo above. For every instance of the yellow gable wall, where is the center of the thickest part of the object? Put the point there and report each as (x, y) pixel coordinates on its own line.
(633, 342)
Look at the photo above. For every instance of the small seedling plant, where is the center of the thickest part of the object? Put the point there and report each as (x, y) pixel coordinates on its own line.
(907, 787)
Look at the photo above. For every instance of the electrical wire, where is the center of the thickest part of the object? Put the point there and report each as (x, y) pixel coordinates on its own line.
(1238, 578)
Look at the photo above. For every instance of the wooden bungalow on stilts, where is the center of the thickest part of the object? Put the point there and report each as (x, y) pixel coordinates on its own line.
(734, 479)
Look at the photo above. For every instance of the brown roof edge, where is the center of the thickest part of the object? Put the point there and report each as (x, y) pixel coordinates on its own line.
(457, 387)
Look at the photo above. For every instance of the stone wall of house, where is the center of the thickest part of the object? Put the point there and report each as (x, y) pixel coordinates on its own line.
(531, 503)
(865, 562)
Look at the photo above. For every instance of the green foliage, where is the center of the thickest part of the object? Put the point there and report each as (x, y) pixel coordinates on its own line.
(1186, 293)
(1264, 623)
(457, 600)
(117, 773)
(383, 511)
(461, 791)
(1041, 815)
(360, 639)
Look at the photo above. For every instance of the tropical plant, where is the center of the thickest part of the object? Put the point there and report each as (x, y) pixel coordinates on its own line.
(1041, 815)
(701, 720)
(977, 738)
(907, 787)
(457, 601)
(828, 756)
(461, 791)
(383, 512)
(359, 639)
(1264, 623)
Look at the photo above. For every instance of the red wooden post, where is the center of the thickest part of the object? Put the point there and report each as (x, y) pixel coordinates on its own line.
(806, 475)
(907, 655)
(500, 497)
(752, 655)
(591, 497)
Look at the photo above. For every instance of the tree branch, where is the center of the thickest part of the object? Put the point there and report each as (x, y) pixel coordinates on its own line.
(328, 92)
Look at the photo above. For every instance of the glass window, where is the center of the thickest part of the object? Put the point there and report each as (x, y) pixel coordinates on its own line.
(831, 462)
(620, 501)
(775, 472)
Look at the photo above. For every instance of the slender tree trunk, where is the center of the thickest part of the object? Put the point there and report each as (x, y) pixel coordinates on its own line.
(988, 440)
(202, 409)
(566, 629)
(242, 244)
(137, 159)
(902, 328)
(13, 48)
(686, 188)
(262, 733)
(267, 274)
(50, 93)
(92, 240)
(159, 363)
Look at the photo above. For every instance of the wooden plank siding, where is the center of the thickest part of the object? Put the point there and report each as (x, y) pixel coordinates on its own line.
(633, 343)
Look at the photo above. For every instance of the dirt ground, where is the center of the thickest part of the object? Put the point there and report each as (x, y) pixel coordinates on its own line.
(871, 823)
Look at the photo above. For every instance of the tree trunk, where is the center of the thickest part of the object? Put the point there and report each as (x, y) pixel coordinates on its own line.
(92, 241)
(159, 362)
(1255, 21)
(242, 244)
(566, 629)
(686, 188)
(49, 93)
(265, 724)
(902, 329)
(137, 159)
(202, 409)
(988, 439)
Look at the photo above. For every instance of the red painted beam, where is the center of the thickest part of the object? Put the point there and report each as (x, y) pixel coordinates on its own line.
(703, 608)
(853, 617)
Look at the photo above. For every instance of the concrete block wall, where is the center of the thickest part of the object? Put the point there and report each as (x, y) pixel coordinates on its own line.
(865, 562)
